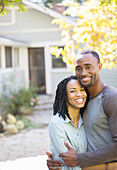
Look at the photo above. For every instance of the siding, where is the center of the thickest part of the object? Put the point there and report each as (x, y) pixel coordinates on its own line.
(32, 26)
(109, 77)
(11, 80)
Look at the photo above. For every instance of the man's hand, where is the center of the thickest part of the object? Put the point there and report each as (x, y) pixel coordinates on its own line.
(53, 164)
(70, 157)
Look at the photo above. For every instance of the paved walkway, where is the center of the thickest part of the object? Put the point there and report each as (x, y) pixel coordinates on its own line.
(26, 150)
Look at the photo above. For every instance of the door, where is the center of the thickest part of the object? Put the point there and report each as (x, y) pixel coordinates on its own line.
(37, 69)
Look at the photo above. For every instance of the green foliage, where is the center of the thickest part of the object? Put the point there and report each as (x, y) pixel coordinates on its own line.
(108, 2)
(5, 6)
(27, 123)
(24, 97)
(25, 120)
(27, 97)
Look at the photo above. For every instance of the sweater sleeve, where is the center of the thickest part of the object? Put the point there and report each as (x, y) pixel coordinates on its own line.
(108, 153)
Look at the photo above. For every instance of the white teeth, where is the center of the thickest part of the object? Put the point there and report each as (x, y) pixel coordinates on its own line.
(79, 100)
(86, 78)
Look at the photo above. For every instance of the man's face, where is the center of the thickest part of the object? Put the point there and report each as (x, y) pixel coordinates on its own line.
(87, 69)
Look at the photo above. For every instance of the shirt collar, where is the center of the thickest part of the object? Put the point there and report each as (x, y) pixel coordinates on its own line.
(67, 120)
(80, 121)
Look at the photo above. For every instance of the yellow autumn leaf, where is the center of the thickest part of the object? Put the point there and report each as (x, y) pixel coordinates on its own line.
(96, 28)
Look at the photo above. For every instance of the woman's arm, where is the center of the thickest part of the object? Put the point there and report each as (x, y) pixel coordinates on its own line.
(58, 136)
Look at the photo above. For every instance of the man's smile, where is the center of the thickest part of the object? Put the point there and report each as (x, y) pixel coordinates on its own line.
(85, 79)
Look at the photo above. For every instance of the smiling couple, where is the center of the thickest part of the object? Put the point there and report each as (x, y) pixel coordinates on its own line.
(83, 130)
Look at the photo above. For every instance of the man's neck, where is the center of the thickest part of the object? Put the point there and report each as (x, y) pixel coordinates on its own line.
(95, 89)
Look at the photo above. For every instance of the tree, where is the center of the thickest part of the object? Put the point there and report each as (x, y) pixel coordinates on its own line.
(5, 5)
(107, 2)
(96, 28)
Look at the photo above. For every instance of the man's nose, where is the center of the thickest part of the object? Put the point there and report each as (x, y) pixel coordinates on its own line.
(84, 72)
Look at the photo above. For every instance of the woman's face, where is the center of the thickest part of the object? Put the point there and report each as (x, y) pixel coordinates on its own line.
(76, 94)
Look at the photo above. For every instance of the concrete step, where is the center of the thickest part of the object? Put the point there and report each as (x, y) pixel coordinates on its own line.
(45, 99)
(43, 112)
(45, 102)
(41, 117)
(43, 107)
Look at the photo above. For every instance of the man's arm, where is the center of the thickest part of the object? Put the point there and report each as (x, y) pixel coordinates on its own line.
(102, 155)
(70, 157)
(53, 164)
(108, 153)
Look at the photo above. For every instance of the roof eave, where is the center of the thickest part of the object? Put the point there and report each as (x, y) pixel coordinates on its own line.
(11, 42)
(50, 12)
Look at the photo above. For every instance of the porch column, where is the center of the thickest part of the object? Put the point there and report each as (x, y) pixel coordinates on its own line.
(3, 61)
(48, 64)
(23, 63)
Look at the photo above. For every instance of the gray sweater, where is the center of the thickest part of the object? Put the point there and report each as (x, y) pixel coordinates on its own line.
(100, 122)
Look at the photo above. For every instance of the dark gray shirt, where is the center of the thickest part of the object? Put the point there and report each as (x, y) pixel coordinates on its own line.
(100, 122)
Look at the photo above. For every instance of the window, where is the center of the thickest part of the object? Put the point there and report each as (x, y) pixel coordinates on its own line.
(16, 57)
(8, 56)
(8, 19)
(58, 62)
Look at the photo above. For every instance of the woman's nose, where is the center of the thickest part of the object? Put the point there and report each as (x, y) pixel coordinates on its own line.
(78, 93)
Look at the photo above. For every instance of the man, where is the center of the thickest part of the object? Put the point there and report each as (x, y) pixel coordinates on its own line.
(100, 119)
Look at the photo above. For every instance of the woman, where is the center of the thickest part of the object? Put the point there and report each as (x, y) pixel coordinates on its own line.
(66, 124)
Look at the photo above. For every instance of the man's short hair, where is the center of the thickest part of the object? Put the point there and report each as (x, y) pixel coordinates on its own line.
(94, 53)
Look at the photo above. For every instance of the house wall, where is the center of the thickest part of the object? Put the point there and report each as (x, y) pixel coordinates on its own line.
(11, 80)
(35, 28)
(31, 26)
(57, 77)
(109, 76)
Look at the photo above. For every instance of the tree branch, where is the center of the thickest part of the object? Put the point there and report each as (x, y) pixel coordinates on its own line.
(2, 7)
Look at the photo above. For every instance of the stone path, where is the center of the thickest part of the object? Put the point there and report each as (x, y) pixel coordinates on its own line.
(26, 150)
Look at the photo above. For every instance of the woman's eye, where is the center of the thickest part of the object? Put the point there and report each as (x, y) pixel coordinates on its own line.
(82, 89)
(72, 91)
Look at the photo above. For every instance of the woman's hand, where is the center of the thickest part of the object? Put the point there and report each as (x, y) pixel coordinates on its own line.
(53, 164)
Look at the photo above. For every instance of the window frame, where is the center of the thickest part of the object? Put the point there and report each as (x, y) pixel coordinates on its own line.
(8, 64)
(60, 57)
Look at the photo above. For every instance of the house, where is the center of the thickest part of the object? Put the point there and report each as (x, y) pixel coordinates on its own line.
(28, 37)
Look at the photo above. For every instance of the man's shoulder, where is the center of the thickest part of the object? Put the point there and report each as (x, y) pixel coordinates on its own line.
(109, 96)
(109, 92)
(109, 99)
(110, 88)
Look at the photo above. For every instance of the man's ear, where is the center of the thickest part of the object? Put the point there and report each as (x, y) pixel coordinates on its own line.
(99, 66)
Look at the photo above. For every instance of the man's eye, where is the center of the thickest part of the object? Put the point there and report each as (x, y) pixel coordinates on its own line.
(78, 68)
(88, 67)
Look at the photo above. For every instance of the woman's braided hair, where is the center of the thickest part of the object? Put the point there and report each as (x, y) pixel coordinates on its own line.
(60, 103)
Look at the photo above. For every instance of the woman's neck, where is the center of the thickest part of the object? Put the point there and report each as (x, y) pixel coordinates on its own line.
(74, 115)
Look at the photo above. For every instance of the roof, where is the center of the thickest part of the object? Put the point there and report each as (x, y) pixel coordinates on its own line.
(12, 42)
(50, 12)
